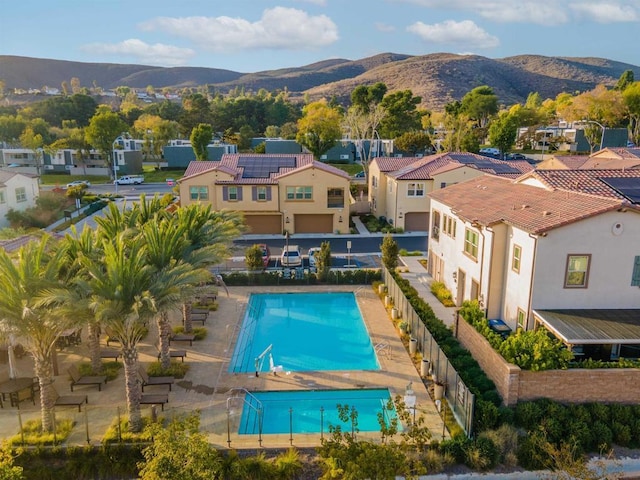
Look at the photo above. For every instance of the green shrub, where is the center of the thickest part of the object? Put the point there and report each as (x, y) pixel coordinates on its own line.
(33, 435)
(482, 454)
(200, 333)
(110, 369)
(121, 433)
(176, 370)
(442, 293)
(535, 350)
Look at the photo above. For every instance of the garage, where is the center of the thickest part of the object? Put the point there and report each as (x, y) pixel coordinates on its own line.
(416, 222)
(313, 223)
(271, 224)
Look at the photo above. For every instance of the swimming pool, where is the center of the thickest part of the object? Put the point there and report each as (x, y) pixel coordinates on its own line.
(306, 416)
(303, 332)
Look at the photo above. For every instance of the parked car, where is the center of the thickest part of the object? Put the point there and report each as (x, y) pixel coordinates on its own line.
(491, 151)
(266, 254)
(359, 175)
(291, 256)
(516, 156)
(312, 256)
(79, 183)
(171, 182)
(129, 180)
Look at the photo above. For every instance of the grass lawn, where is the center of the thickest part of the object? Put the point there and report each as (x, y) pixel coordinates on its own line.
(350, 168)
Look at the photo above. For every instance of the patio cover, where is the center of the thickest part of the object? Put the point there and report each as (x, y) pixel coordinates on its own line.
(597, 327)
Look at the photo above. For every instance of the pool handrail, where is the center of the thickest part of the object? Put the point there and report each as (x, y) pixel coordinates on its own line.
(235, 394)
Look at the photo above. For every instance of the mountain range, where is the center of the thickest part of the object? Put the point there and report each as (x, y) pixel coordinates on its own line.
(438, 78)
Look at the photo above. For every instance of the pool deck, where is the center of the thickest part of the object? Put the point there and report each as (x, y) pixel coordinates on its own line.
(208, 385)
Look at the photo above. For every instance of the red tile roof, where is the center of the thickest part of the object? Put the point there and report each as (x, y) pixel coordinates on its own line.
(585, 181)
(424, 168)
(489, 200)
(389, 164)
(571, 161)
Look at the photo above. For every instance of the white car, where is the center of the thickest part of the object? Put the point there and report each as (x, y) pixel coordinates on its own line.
(291, 256)
(130, 180)
(313, 251)
(79, 183)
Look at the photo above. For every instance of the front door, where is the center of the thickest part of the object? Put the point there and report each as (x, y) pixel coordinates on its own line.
(461, 283)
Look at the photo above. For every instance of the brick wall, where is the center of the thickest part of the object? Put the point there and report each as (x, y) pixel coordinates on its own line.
(607, 385)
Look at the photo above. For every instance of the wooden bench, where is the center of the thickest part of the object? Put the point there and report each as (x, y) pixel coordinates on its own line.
(110, 353)
(69, 400)
(154, 381)
(154, 399)
(183, 337)
(199, 317)
(175, 354)
(77, 379)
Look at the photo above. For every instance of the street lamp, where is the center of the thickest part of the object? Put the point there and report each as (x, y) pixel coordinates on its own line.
(601, 126)
(115, 162)
(410, 400)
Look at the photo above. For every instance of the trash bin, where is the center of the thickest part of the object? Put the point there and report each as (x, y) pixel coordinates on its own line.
(388, 301)
(424, 368)
(382, 288)
(395, 313)
(413, 346)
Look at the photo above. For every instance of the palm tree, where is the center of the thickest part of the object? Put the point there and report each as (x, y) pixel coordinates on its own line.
(25, 309)
(120, 290)
(166, 243)
(210, 234)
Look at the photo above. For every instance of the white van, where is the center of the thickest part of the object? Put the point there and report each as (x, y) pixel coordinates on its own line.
(129, 180)
(495, 152)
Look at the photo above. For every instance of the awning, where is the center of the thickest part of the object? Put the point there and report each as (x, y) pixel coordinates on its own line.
(596, 327)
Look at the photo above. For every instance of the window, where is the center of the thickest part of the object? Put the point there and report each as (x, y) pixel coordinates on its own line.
(435, 230)
(449, 226)
(471, 243)
(299, 193)
(577, 272)
(2, 199)
(515, 258)
(233, 194)
(522, 319)
(635, 277)
(199, 193)
(374, 182)
(261, 193)
(415, 190)
(443, 184)
(21, 194)
(335, 198)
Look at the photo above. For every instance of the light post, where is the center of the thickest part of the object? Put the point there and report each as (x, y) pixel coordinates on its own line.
(601, 135)
(348, 253)
(115, 163)
(410, 400)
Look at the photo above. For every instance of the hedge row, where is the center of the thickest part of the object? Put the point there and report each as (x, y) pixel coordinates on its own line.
(335, 277)
(488, 413)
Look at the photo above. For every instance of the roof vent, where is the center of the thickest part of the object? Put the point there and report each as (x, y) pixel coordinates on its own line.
(524, 206)
(546, 213)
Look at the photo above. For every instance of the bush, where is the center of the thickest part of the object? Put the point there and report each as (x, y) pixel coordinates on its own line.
(535, 350)
(443, 294)
(176, 370)
(110, 369)
(199, 332)
(33, 435)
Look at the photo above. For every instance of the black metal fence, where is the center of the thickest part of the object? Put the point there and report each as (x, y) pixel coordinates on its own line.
(456, 393)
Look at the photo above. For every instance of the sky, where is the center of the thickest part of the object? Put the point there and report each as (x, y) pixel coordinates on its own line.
(254, 35)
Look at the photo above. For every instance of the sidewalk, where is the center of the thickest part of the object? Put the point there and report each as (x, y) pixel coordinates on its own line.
(420, 279)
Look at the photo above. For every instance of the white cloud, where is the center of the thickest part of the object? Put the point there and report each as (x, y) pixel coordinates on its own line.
(384, 27)
(322, 3)
(543, 12)
(156, 54)
(279, 28)
(450, 32)
(606, 12)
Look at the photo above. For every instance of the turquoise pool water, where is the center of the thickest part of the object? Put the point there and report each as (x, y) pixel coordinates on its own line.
(303, 332)
(305, 415)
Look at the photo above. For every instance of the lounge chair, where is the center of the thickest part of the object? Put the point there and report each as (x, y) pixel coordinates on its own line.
(173, 354)
(153, 381)
(69, 400)
(110, 353)
(154, 399)
(77, 379)
(182, 337)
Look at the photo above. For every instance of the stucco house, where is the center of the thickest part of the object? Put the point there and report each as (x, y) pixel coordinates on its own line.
(535, 254)
(399, 187)
(607, 158)
(18, 191)
(276, 193)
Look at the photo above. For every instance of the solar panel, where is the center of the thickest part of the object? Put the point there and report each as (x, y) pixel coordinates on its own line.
(261, 166)
(629, 187)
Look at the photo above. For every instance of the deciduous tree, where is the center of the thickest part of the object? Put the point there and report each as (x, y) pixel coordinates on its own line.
(413, 142)
(319, 128)
(104, 127)
(200, 137)
(480, 104)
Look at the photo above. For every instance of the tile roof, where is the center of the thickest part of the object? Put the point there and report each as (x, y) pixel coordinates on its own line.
(611, 163)
(424, 168)
(624, 153)
(489, 200)
(252, 169)
(585, 181)
(389, 164)
(571, 161)
(6, 175)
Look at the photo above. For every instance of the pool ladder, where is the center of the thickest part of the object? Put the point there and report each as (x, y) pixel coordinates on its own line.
(253, 403)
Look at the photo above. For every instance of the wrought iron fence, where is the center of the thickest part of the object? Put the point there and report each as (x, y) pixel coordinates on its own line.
(457, 394)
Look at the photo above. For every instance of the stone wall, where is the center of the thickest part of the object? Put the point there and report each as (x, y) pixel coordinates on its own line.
(607, 385)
